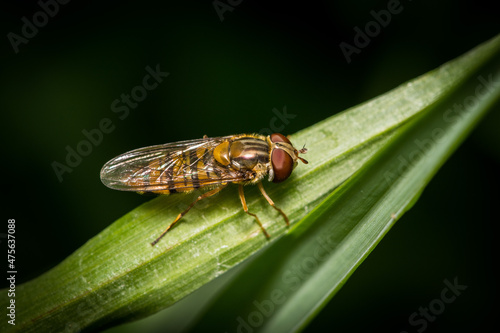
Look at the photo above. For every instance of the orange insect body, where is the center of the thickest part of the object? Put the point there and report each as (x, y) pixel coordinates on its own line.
(209, 163)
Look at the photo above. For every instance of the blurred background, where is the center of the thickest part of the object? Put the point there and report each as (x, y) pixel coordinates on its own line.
(89, 78)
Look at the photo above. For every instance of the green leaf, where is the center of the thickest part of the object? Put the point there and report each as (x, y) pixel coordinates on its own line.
(366, 169)
(306, 268)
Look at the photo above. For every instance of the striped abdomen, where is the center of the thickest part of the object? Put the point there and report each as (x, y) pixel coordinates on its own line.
(181, 172)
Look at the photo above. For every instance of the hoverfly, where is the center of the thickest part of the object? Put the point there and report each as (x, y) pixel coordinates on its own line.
(207, 163)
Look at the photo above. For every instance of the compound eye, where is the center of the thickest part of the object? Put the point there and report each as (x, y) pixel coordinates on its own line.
(277, 137)
(282, 165)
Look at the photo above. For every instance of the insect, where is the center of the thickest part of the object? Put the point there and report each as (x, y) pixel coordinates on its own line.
(207, 163)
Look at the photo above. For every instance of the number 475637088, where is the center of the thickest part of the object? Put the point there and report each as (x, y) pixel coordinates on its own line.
(11, 243)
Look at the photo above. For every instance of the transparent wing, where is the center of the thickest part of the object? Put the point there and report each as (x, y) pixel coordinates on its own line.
(173, 167)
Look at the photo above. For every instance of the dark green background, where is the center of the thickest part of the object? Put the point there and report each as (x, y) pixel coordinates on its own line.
(226, 77)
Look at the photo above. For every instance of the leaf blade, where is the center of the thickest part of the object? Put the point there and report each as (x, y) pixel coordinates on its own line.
(306, 279)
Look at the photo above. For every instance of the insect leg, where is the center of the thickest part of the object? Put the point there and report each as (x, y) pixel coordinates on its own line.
(203, 196)
(245, 208)
(271, 202)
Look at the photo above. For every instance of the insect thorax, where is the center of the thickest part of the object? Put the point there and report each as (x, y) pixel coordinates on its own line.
(247, 154)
